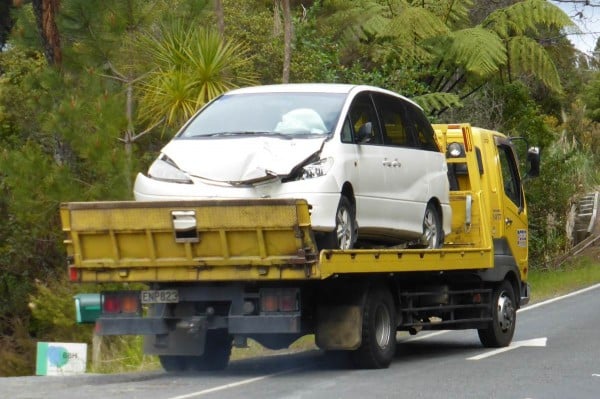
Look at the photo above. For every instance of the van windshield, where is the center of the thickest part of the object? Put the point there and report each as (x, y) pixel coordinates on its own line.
(281, 114)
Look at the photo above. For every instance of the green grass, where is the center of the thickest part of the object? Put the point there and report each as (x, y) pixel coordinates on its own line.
(580, 273)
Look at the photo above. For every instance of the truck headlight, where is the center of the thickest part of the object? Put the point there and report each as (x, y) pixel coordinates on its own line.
(165, 169)
(317, 169)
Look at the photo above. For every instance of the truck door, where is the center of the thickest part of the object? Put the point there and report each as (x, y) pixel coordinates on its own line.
(515, 215)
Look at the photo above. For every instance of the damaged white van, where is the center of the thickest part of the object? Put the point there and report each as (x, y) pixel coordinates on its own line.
(364, 158)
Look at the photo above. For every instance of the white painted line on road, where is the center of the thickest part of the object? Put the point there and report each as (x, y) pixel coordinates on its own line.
(524, 309)
(595, 375)
(558, 298)
(425, 336)
(234, 384)
(535, 342)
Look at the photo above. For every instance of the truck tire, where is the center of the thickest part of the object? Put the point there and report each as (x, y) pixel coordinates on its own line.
(432, 227)
(171, 363)
(378, 345)
(217, 351)
(500, 330)
(345, 232)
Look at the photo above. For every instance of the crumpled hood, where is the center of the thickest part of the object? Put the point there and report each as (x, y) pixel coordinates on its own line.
(241, 159)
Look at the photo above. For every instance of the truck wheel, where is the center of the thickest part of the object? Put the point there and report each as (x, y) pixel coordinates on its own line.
(345, 232)
(432, 227)
(172, 363)
(217, 350)
(378, 345)
(500, 330)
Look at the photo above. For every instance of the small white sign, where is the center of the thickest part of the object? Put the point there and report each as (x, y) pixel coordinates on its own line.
(60, 358)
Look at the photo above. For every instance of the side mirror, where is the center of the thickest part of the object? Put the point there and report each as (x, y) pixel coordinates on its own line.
(533, 158)
(364, 133)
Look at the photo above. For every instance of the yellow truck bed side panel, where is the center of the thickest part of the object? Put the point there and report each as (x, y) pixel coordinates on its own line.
(135, 241)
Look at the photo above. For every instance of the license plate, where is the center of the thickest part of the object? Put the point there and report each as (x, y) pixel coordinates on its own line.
(160, 296)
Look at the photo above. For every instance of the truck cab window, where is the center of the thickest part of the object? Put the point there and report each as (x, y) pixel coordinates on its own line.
(510, 175)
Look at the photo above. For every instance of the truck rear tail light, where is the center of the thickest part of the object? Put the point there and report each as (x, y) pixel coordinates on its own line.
(74, 274)
(121, 302)
(288, 302)
(279, 300)
(111, 304)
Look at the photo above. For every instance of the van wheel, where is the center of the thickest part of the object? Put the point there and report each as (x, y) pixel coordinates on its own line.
(500, 330)
(345, 232)
(378, 345)
(432, 227)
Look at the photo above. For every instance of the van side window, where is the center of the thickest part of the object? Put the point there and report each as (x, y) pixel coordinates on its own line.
(390, 111)
(347, 136)
(363, 119)
(424, 135)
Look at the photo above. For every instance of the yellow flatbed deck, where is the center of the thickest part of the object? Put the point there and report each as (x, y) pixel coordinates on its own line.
(237, 240)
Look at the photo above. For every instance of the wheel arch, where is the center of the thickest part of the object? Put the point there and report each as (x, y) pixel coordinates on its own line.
(348, 192)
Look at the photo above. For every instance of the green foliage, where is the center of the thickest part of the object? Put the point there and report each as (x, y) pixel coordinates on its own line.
(438, 101)
(528, 57)
(192, 66)
(476, 50)
(591, 97)
(565, 172)
(526, 17)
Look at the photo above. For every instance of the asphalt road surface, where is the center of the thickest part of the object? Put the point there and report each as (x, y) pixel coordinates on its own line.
(555, 354)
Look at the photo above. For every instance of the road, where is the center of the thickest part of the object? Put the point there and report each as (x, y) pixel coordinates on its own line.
(555, 354)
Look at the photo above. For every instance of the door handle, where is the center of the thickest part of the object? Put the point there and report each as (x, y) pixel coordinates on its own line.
(508, 221)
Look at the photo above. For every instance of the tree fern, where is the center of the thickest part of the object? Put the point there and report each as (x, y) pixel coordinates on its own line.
(526, 17)
(434, 102)
(476, 50)
(450, 12)
(528, 57)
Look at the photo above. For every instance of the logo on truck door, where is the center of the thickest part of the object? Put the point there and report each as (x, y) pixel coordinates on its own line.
(522, 238)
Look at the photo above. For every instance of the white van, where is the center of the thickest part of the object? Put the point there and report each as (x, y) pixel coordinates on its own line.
(365, 159)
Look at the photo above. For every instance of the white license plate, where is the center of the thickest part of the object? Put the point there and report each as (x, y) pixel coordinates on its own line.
(160, 296)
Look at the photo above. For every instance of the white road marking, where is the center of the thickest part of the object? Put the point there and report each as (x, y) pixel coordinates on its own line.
(425, 336)
(536, 342)
(412, 339)
(234, 384)
(524, 309)
(558, 298)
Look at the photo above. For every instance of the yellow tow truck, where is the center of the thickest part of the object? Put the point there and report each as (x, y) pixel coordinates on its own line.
(221, 271)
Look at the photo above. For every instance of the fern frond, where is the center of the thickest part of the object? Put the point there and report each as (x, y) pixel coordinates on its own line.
(356, 16)
(451, 12)
(528, 57)
(415, 24)
(526, 16)
(476, 50)
(433, 102)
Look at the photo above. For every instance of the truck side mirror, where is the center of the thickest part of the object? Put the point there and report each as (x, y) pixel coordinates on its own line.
(533, 158)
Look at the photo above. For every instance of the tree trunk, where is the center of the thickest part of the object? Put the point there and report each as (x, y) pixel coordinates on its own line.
(220, 17)
(287, 41)
(45, 14)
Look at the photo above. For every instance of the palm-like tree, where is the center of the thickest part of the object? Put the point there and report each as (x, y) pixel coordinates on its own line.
(193, 66)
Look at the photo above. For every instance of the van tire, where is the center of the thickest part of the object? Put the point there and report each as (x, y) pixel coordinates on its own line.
(345, 232)
(433, 231)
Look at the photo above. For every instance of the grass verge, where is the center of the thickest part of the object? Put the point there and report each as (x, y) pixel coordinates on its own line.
(581, 272)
